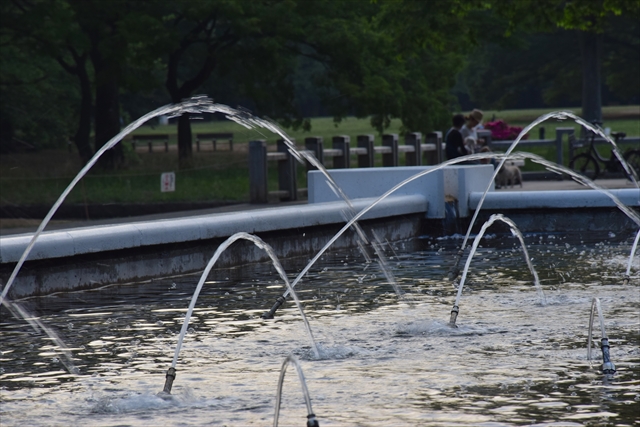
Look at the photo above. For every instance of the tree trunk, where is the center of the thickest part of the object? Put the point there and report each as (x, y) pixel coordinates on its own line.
(107, 111)
(185, 147)
(107, 119)
(82, 137)
(591, 50)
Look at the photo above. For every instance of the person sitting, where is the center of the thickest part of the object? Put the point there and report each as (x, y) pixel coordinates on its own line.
(453, 139)
(470, 129)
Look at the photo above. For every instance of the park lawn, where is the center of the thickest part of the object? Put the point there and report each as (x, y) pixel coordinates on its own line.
(40, 177)
(321, 126)
(618, 118)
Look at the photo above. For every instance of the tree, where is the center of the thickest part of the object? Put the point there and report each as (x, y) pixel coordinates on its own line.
(36, 39)
(589, 18)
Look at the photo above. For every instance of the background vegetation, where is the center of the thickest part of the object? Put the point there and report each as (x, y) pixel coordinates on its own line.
(73, 72)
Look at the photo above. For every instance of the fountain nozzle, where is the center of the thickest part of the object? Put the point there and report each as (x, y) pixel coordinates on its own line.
(454, 316)
(168, 383)
(312, 421)
(608, 367)
(269, 314)
(626, 280)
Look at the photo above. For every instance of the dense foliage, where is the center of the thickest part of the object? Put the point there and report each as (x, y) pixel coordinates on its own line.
(76, 70)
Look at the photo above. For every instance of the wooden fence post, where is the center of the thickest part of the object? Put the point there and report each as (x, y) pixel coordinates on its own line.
(315, 145)
(343, 143)
(437, 156)
(414, 139)
(366, 160)
(390, 140)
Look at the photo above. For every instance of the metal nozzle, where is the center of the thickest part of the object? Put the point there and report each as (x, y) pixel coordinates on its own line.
(626, 280)
(312, 421)
(269, 314)
(454, 316)
(168, 383)
(608, 367)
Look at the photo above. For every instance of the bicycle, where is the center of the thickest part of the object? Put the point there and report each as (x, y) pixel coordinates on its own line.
(588, 163)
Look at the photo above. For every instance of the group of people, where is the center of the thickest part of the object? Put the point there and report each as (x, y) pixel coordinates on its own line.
(462, 138)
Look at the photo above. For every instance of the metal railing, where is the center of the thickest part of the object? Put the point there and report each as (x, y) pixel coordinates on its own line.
(342, 155)
(416, 153)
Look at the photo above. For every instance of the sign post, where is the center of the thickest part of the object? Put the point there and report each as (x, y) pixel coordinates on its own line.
(167, 182)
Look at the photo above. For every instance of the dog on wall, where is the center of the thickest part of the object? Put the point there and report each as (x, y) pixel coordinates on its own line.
(509, 175)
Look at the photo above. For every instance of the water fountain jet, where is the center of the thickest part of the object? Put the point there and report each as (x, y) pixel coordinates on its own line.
(311, 417)
(194, 105)
(607, 367)
(562, 115)
(630, 213)
(276, 263)
(627, 276)
(514, 230)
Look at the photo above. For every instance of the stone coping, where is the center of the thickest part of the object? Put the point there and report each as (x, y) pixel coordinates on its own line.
(85, 240)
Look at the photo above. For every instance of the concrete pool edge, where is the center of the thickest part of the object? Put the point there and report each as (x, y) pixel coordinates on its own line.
(89, 257)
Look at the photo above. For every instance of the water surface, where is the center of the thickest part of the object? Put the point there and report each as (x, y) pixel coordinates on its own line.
(384, 361)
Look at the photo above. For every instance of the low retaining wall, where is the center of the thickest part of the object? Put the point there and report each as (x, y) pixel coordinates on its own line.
(434, 203)
(568, 211)
(95, 256)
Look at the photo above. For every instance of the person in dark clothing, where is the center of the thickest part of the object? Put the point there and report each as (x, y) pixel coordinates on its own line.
(453, 139)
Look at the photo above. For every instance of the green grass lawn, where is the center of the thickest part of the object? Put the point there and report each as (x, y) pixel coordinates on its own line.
(618, 118)
(40, 177)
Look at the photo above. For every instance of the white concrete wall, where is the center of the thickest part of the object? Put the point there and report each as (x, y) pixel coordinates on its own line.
(65, 243)
(453, 181)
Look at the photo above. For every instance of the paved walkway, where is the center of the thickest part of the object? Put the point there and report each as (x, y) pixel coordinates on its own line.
(20, 226)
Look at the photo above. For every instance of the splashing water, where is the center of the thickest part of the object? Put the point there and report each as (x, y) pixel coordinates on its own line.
(631, 255)
(560, 115)
(276, 263)
(197, 105)
(633, 215)
(476, 242)
(608, 368)
(595, 306)
(311, 418)
(192, 105)
(19, 311)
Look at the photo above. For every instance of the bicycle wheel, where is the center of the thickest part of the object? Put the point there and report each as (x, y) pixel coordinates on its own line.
(633, 160)
(586, 165)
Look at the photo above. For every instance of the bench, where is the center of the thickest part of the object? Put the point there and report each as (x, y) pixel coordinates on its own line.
(150, 139)
(214, 137)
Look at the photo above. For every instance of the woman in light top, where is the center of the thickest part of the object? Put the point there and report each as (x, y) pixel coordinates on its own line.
(470, 130)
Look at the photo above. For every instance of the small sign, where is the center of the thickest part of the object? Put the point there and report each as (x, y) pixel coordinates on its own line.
(167, 182)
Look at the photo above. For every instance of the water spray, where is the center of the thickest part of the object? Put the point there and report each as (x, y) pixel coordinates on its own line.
(559, 115)
(627, 277)
(311, 417)
(608, 368)
(514, 230)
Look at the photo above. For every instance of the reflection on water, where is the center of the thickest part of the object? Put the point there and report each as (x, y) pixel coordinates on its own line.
(383, 361)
